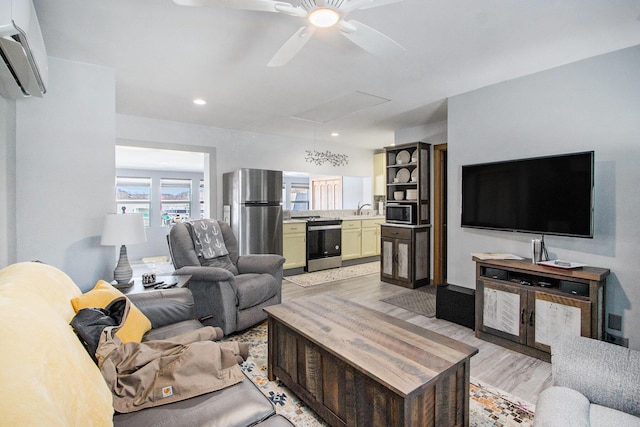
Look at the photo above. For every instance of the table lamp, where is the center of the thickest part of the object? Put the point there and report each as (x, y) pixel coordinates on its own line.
(123, 229)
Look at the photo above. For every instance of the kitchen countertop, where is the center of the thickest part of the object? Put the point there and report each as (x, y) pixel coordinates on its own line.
(344, 218)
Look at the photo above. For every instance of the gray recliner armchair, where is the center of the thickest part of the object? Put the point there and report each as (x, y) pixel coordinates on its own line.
(230, 291)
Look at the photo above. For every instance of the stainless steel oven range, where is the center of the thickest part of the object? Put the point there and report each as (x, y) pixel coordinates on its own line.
(324, 243)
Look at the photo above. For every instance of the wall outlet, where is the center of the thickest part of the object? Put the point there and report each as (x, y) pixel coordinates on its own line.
(615, 322)
(617, 340)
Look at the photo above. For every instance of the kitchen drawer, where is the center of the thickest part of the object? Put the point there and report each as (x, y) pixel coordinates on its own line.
(396, 232)
(297, 227)
(368, 223)
(351, 224)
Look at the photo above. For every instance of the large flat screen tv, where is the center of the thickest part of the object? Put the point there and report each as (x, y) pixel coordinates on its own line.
(543, 195)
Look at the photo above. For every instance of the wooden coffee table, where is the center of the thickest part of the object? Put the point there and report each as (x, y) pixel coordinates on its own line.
(356, 366)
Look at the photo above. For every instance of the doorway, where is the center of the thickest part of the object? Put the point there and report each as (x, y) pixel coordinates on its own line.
(170, 171)
(440, 214)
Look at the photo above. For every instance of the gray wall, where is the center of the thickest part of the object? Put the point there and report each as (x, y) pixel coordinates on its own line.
(65, 165)
(62, 180)
(589, 105)
(7, 181)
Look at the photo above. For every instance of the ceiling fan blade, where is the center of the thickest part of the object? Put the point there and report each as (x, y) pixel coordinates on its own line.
(292, 46)
(373, 41)
(259, 5)
(366, 4)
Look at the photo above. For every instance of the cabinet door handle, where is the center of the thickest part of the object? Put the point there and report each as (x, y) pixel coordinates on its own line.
(531, 318)
(522, 318)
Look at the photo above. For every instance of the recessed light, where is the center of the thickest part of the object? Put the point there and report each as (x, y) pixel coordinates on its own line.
(335, 134)
(199, 101)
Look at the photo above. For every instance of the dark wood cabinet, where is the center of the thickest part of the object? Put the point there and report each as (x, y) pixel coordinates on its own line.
(408, 180)
(524, 306)
(404, 255)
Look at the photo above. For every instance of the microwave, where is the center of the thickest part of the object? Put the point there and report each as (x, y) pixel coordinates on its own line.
(401, 213)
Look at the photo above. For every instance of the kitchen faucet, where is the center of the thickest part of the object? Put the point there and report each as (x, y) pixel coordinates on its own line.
(359, 212)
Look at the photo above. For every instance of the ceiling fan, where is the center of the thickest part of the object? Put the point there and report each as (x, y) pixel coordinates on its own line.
(319, 13)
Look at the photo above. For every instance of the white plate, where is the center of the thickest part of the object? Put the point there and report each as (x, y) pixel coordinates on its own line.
(414, 175)
(403, 175)
(412, 194)
(403, 157)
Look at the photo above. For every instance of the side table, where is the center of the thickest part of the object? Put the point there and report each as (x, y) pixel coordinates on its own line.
(137, 287)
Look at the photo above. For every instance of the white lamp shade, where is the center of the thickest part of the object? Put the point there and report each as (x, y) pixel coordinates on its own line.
(123, 229)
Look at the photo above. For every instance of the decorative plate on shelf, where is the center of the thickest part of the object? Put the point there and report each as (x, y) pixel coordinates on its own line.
(414, 158)
(414, 175)
(403, 175)
(403, 157)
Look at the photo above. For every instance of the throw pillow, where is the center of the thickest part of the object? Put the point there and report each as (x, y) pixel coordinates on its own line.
(136, 324)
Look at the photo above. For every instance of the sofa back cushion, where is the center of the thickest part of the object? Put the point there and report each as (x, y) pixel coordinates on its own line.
(48, 378)
(606, 374)
(46, 281)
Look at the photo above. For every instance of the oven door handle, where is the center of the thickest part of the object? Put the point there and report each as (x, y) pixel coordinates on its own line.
(324, 227)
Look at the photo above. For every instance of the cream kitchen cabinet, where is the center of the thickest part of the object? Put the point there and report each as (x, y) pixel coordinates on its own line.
(360, 238)
(351, 239)
(370, 237)
(379, 174)
(294, 244)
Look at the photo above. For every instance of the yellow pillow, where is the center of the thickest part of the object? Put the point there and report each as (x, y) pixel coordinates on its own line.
(136, 324)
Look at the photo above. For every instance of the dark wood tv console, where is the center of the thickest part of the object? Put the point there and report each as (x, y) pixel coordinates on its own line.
(524, 306)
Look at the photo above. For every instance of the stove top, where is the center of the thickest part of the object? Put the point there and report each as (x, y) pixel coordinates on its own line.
(317, 218)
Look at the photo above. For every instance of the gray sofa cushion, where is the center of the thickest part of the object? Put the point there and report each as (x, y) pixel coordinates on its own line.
(165, 306)
(239, 405)
(606, 417)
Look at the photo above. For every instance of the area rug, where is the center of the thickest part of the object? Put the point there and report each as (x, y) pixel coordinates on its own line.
(325, 276)
(488, 406)
(421, 301)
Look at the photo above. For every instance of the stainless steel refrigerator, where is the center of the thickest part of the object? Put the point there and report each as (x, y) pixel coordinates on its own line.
(252, 205)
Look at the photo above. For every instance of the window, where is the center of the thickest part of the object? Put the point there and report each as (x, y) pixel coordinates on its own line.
(133, 195)
(299, 197)
(175, 196)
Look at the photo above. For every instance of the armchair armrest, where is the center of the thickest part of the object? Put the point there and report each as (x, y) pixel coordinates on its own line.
(206, 274)
(216, 294)
(165, 307)
(260, 263)
(604, 373)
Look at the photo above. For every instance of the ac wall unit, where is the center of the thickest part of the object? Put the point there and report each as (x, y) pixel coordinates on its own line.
(23, 58)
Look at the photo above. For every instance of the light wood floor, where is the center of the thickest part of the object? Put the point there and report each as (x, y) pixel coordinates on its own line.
(515, 373)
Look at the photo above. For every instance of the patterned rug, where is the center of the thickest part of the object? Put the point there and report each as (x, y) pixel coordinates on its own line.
(325, 276)
(488, 406)
(421, 301)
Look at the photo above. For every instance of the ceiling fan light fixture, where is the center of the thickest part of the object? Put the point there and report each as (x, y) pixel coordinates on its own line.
(324, 17)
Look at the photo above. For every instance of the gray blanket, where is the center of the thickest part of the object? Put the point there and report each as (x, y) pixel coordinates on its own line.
(207, 238)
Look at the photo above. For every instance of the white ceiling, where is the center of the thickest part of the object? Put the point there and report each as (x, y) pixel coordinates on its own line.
(166, 55)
